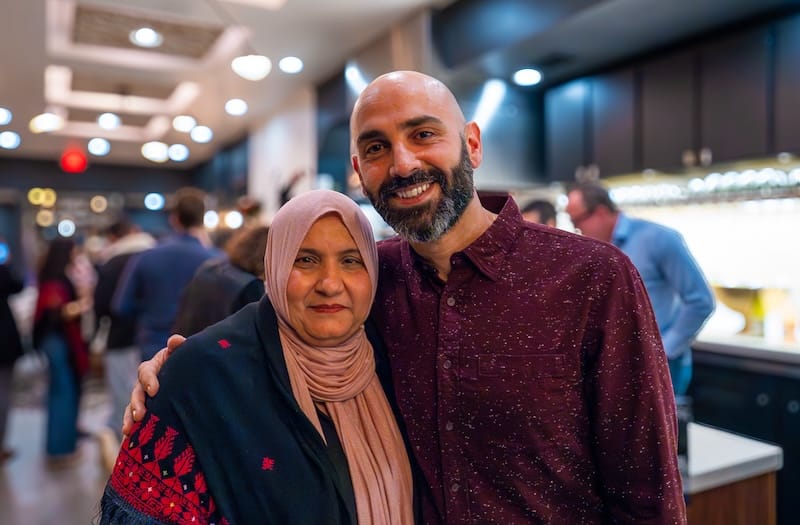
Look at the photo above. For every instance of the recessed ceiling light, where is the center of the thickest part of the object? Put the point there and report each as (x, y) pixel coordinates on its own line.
(146, 37)
(251, 67)
(236, 107)
(183, 123)
(201, 134)
(9, 140)
(108, 121)
(178, 152)
(527, 77)
(45, 122)
(154, 201)
(290, 65)
(5, 116)
(99, 147)
(155, 151)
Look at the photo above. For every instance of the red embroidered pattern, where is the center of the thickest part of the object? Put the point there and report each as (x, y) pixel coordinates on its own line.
(161, 479)
(223, 343)
(267, 464)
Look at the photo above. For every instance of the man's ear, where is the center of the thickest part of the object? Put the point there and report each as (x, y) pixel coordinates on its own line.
(472, 137)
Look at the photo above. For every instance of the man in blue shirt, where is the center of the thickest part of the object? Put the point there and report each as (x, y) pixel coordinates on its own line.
(151, 285)
(681, 297)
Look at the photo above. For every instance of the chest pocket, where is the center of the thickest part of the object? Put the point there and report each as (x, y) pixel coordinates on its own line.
(522, 366)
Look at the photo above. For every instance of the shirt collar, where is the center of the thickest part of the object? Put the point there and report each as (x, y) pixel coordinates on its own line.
(489, 251)
(621, 230)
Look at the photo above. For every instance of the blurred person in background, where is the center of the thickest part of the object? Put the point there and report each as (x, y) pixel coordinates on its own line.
(679, 293)
(116, 334)
(10, 342)
(57, 333)
(222, 286)
(540, 211)
(153, 281)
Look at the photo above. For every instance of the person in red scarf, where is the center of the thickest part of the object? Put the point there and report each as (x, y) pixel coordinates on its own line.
(57, 333)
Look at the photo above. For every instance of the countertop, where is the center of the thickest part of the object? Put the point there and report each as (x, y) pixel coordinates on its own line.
(749, 347)
(718, 458)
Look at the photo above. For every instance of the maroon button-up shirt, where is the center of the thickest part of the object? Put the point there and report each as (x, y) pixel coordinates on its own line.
(532, 383)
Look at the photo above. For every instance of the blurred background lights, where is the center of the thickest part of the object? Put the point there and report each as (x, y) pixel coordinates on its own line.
(178, 152)
(35, 196)
(251, 67)
(99, 147)
(73, 160)
(154, 201)
(5, 116)
(236, 107)
(146, 37)
(66, 228)
(9, 140)
(183, 123)
(233, 220)
(44, 218)
(49, 198)
(201, 134)
(155, 151)
(46, 122)
(290, 65)
(98, 204)
(108, 121)
(527, 77)
(211, 219)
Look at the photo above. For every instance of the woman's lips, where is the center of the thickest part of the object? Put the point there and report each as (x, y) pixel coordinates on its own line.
(328, 308)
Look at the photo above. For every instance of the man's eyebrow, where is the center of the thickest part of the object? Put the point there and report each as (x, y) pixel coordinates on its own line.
(408, 124)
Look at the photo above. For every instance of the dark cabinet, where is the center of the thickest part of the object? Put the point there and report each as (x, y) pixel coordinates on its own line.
(734, 96)
(787, 85)
(669, 105)
(734, 394)
(613, 122)
(566, 108)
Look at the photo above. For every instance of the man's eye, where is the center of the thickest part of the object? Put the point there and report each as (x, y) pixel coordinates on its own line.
(425, 134)
(373, 149)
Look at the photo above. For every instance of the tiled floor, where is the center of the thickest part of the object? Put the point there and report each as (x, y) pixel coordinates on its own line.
(30, 492)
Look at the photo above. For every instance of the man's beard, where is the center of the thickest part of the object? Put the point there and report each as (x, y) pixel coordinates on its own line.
(428, 222)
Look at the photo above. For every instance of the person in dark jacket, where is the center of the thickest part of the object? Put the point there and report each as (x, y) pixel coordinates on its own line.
(10, 349)
(277, 414)
(121, 356)
(224, 285)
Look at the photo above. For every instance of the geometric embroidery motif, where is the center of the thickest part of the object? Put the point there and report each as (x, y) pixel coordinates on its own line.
(157, 474)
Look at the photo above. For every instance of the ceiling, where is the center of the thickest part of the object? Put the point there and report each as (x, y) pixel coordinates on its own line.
(74, 55)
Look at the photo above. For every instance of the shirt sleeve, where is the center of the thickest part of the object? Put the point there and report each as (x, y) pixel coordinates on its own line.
(683, 274)
(633, 410)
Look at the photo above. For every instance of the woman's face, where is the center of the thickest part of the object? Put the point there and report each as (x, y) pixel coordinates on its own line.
(329, 290)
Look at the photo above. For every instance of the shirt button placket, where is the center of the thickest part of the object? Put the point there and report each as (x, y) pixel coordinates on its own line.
(449, 332)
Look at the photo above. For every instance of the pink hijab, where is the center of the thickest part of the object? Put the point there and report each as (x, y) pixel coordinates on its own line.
(340, 380)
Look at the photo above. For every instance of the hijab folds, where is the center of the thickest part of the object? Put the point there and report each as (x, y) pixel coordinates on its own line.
(341, 380)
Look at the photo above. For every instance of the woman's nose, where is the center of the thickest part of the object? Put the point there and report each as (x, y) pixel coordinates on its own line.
(330, 281)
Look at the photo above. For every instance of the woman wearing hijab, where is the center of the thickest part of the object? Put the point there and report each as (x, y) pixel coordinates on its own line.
(277, 414)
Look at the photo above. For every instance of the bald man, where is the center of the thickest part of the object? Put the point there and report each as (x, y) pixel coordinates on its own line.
(526, 360)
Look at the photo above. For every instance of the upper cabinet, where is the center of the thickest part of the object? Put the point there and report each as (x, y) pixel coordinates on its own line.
(787, 85)
(566, 112)
(731, 98)
(613, 121)
(669, 105)
(734, 96)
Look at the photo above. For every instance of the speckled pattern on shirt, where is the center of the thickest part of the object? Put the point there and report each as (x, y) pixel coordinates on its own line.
(533, 383)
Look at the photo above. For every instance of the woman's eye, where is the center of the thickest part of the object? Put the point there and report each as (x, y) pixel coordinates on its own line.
(353, 261)
(304, 260)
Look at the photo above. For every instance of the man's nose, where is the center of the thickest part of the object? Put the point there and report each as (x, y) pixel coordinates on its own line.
(404, 161)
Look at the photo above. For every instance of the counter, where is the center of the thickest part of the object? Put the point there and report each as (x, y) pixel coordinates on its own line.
(731, 478)
(719, 458)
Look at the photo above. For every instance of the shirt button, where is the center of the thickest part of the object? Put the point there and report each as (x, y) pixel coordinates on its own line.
(454, 487)
(448, 425)
(451, 301)
(447, 364)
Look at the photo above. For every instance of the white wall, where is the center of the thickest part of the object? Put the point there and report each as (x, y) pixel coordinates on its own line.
(284, 145)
